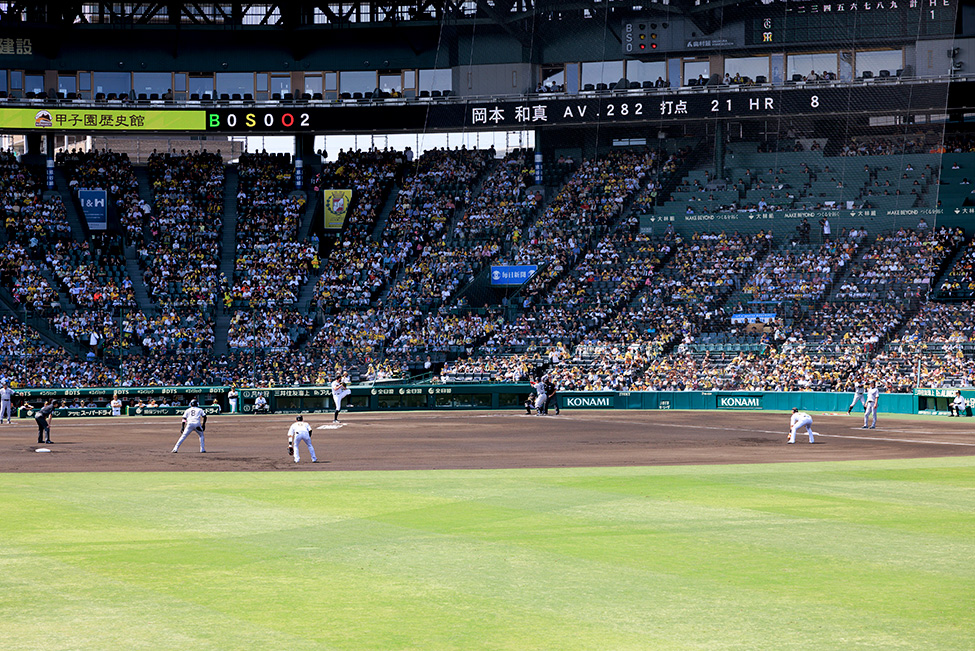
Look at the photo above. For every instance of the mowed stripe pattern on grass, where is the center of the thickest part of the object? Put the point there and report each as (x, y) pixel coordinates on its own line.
(843, 555)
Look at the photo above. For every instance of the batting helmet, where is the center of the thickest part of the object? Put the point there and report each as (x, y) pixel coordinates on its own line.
(299, 417)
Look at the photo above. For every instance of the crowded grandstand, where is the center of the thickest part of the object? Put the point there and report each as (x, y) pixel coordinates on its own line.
(666, 253)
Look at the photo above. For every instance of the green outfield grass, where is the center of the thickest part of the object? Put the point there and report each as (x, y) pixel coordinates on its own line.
(852, 555)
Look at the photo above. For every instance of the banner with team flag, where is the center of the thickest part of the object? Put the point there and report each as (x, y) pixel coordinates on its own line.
(336, 207)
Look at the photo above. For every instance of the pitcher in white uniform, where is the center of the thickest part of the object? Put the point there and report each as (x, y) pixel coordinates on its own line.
(339, 393)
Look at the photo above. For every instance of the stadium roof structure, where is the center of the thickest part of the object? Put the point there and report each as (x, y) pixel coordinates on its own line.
(303, 14)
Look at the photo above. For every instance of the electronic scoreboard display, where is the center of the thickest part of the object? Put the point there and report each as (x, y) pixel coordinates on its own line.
(828, 21)
(538, 112)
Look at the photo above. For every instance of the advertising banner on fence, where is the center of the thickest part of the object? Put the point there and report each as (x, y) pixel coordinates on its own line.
(739, 402)
(94, 203)
(209, 410)
(512, 275)
(571, 400)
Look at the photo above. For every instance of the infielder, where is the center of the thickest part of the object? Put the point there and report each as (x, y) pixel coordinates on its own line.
(43, 417)
(799, 420)
(6, 402)
(298, 432)
(857, 397)
(194, 420)
(339, 392)
(870, 406)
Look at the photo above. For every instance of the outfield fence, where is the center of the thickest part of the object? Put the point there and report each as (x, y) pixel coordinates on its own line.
(463, 396)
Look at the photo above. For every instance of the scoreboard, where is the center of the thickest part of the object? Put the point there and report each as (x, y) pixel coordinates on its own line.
(507, 113)
(831, 21)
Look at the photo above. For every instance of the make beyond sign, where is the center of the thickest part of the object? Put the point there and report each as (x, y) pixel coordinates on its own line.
(512, 275)
(94, 203)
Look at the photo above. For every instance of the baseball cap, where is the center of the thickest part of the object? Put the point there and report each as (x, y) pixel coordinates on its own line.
(794, 409)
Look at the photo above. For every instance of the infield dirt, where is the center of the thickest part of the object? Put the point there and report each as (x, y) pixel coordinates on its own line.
(475, 439)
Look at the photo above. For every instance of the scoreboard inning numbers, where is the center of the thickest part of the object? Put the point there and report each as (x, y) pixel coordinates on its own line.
(860, 20)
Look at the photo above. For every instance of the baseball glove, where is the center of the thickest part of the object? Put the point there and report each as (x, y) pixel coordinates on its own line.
(291, 449)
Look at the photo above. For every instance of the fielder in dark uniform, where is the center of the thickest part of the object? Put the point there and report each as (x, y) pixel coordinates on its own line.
(43, 418)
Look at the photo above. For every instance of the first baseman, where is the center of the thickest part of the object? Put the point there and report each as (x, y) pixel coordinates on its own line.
(298, 432)
(799, 420)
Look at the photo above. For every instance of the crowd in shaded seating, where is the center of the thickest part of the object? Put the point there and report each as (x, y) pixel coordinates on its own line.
(900, 266)
(28, 286)
(27, 361)
(17, 338)
(936, 348)
(268, 329)
(582, 210)
(611, 309)
(170, 330)
(271, 266)
(799, 272)
(92, 273)
(79, 325)
(182, 256)
(888, 145)
(28, 217)
(359, 266)
(959, 282)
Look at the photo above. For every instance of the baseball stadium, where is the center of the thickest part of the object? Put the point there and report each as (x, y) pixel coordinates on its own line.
(500, 324)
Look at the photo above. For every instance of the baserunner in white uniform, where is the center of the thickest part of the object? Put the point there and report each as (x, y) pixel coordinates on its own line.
(870, 407)
(799, 420)
(194, 420)
(298, 432)
(858, 397)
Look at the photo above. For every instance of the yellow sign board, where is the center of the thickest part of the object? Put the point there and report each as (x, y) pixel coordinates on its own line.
(90, 119)
(336, 207)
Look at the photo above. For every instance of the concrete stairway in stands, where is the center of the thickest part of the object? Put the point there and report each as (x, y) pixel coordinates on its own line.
(138, 284)
(79, 227)
(228, 256)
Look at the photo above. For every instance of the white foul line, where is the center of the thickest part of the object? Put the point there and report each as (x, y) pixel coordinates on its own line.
(882, 438)
(839, 436)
